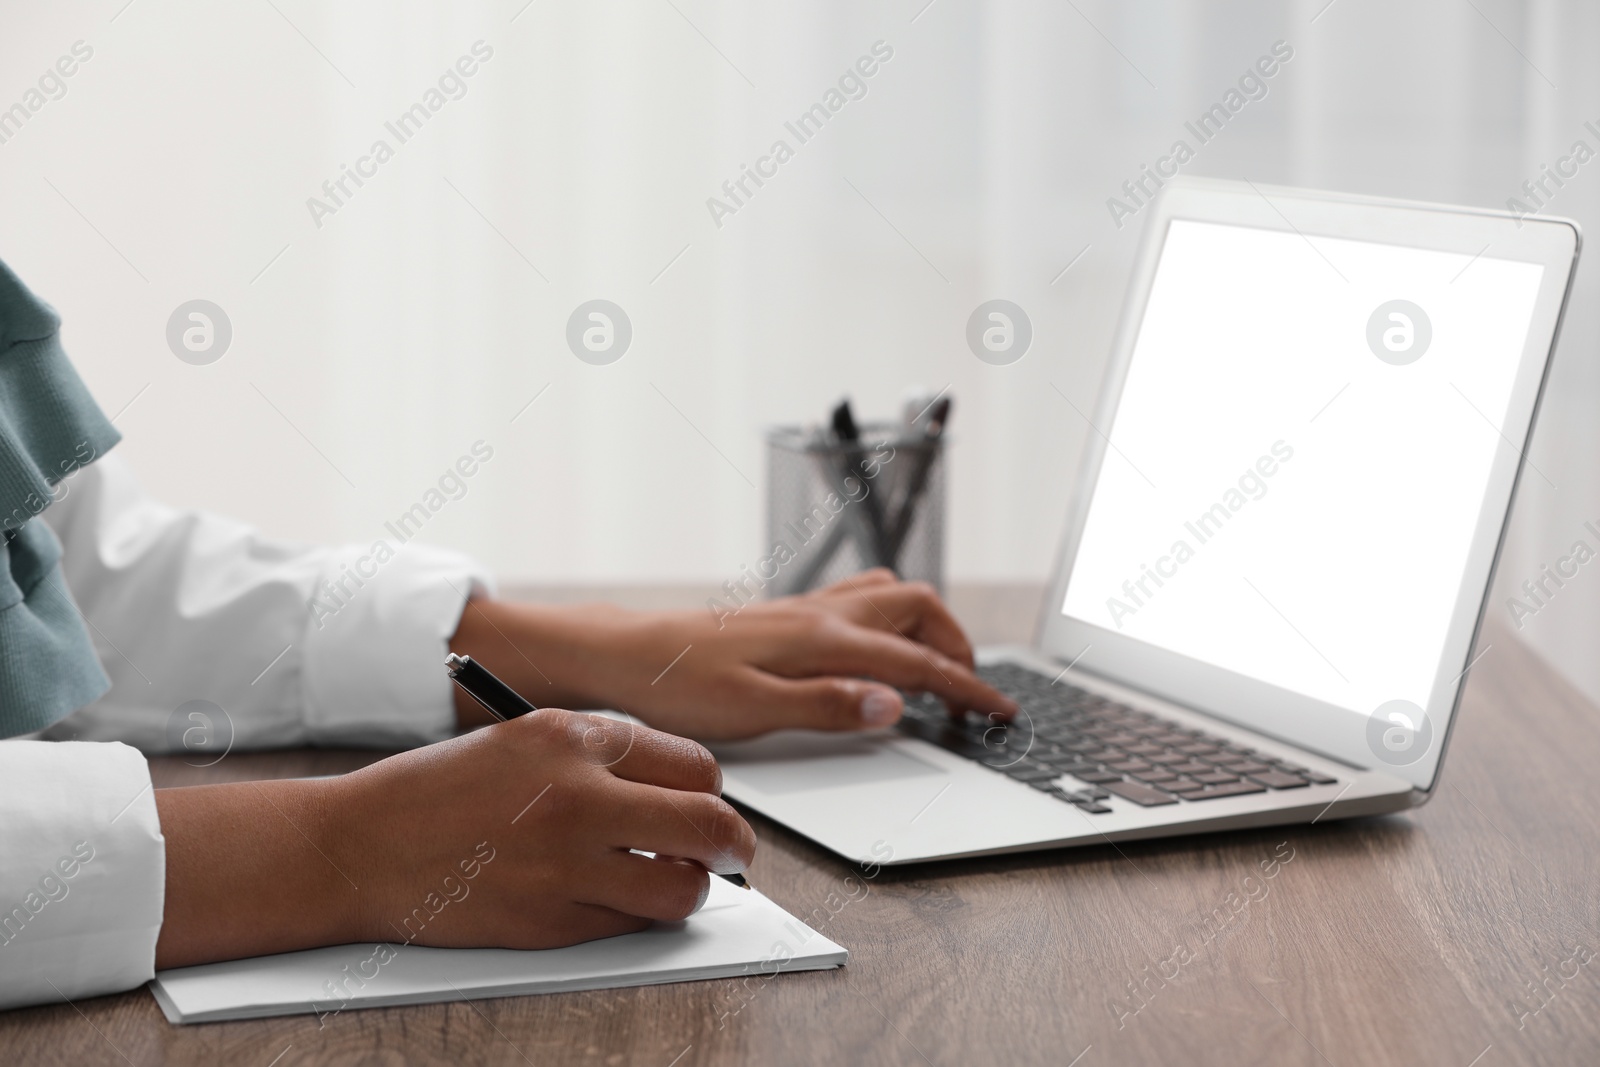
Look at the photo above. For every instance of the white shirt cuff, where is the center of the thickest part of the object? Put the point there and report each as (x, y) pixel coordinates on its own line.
(375, 646)
(82, 871)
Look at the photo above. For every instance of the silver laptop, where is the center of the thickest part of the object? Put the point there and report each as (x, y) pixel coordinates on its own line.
(1278, 552)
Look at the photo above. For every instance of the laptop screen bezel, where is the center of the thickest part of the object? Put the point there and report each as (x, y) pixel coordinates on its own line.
(1248, 702)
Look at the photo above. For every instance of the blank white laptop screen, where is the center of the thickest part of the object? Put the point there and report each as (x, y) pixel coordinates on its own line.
(1299, 457)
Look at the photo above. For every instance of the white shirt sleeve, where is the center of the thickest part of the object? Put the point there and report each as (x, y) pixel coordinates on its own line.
(82, 871)
(215, 637)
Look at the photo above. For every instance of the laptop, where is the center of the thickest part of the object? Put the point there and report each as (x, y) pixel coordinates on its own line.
(1278, 551)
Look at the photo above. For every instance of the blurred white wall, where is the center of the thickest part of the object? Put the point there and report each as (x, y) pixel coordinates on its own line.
(428, 311)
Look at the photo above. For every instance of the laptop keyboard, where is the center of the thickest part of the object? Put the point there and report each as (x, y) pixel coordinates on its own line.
(1113, 749)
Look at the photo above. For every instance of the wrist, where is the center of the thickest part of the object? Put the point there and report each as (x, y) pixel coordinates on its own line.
(252, 868)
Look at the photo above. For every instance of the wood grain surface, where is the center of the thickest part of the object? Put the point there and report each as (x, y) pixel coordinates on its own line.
(1461, 934)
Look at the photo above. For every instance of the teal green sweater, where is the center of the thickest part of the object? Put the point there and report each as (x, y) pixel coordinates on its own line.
(49, 427)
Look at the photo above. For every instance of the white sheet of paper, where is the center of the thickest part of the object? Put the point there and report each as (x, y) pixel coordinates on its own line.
(737, 932)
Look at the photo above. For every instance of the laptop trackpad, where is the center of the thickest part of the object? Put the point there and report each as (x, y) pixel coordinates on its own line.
(795, 761)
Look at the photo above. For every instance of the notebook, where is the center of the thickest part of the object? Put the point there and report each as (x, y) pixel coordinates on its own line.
(737, 932)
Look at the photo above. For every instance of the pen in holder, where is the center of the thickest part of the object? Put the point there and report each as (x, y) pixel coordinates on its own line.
(838, 507)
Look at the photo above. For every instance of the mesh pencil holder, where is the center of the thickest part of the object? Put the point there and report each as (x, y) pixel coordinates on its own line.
(836, 509)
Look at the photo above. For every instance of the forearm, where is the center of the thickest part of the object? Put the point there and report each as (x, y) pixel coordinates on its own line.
(251, 870)
(557, 656)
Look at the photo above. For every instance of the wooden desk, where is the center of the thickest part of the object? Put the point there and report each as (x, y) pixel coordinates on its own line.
(1414, 939)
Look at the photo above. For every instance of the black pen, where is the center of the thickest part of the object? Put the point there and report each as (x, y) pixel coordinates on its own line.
(504, 702)
(501, 701)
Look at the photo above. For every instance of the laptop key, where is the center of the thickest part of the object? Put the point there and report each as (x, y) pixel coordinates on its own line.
(1093, 807)
(1194, 767)
(1244, 766)
(1028, 768)
(1145, 795)
(1019, 768)
(1279, 780)
(1104, 778)
(1038, 778)
(1216, 778)
(1303, 772)
(1231, 789)
(1076, 768)
(945, 737)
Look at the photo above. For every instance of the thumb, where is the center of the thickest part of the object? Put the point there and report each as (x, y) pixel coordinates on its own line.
(828, 703)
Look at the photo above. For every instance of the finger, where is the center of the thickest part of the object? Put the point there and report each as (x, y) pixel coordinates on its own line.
(825, 703)
(913, 610)
(639, 754)
(857, 651)
(662, 889)
(695, 826)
